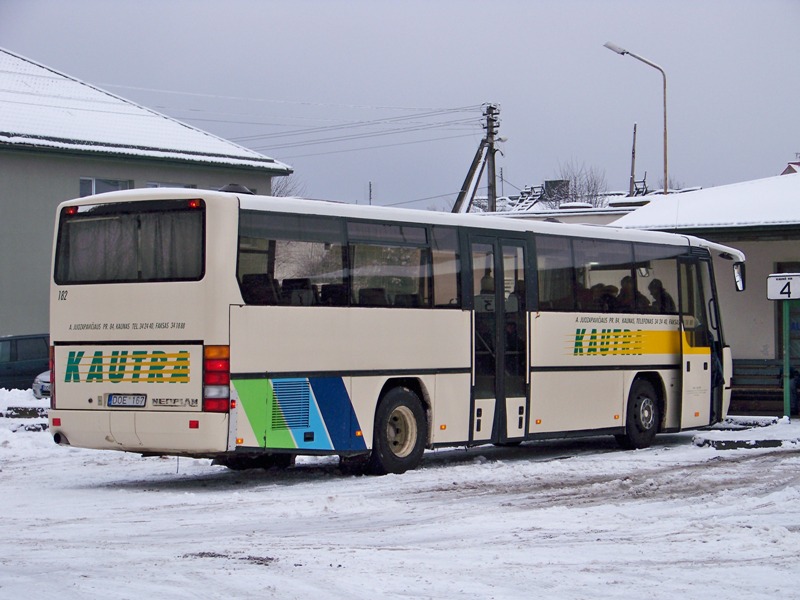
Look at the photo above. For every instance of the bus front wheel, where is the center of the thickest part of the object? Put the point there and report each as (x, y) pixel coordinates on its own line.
(401, 431)
(642, 416)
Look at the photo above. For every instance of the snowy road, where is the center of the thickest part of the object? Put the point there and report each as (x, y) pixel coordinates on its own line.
(565, 519)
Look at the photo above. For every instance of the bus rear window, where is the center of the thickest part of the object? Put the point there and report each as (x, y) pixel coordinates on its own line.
(131, 242)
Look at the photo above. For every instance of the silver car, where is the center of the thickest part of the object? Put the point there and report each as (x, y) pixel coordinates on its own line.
(41, 385)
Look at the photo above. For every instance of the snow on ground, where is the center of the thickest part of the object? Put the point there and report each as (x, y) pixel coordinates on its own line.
(566, 519)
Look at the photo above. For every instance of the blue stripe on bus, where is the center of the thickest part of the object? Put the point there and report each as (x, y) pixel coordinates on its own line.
(300, 413)
(337, 412)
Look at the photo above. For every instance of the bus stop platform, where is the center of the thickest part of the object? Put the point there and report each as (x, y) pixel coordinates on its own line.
(751, 432)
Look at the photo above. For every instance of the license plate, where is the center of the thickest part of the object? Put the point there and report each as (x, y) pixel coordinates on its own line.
(127, 400)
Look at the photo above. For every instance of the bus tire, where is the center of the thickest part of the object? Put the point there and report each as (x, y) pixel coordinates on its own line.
(400, 435)
(642, 416)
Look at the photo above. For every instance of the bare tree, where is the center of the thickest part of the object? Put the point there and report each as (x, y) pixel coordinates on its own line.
(576, 183)
(289, 185)
(674, 184)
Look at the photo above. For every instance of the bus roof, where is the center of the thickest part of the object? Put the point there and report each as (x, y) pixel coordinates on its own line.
(408, 215)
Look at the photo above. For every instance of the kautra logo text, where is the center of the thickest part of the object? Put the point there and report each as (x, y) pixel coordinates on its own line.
(605, 341)
(146, 366)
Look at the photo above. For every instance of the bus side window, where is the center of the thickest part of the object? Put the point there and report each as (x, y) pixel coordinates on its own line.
(446, 268)
(556, 273)
(657, 276)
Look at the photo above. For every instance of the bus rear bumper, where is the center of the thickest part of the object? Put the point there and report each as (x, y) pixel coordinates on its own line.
(177, 433)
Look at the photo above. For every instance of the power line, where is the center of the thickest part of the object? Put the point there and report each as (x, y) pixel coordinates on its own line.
(451, 137)
(421, 199)
(350, 125)
(359, 136)
(269, 100)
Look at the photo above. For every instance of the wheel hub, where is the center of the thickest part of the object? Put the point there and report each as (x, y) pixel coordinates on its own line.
(646, 413)
(401, 431)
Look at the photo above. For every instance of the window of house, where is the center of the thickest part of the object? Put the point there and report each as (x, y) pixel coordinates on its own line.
(93, 185)
(166, 184)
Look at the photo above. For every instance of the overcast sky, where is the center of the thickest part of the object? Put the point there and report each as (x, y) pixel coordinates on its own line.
(248, 70)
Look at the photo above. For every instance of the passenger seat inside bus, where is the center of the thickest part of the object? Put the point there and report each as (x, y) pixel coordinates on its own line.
(407, 300)
(298, 292)
(334, 294)
(259, 288)
(373, 297)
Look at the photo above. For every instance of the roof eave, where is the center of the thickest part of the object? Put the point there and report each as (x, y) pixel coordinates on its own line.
(133, 153)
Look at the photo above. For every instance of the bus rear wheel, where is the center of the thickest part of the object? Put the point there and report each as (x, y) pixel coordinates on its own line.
(401, 431)
(642, 416)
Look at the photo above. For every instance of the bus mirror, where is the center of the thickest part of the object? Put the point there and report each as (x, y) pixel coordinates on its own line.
(738, 276)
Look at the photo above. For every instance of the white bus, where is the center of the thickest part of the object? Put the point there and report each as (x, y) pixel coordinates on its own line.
(253, 329)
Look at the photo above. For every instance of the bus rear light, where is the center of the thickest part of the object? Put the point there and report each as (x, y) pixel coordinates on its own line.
(216, 391)
(223, 352)
(217, 364)
(56, 422)
(217, 405)
(216, 379)
(194, 424)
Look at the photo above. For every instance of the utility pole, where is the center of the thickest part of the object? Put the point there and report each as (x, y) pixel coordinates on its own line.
(483, 157)
(492, 113)
(632, 188)
(370, 193)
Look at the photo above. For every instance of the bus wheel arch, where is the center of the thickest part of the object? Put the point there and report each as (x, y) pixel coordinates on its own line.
(644, 410)
(401, 428)
(418, 387)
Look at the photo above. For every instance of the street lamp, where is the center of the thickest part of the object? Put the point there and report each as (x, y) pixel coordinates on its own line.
(623, 52)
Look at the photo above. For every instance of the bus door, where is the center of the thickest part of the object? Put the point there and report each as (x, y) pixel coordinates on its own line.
(701, 364)
(500, 340)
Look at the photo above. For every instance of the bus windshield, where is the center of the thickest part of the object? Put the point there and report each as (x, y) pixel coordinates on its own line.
(131, 242)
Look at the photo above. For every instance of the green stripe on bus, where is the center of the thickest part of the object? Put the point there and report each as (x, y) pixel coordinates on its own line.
(257, 398)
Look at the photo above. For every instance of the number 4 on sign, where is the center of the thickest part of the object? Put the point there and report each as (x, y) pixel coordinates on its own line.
(780, 286)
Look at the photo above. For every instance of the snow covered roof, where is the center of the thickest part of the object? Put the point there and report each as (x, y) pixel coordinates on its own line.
(774, 201)
(792, 167)
(42, 108)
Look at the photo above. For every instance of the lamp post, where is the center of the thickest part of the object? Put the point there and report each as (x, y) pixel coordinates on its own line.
(623, 52)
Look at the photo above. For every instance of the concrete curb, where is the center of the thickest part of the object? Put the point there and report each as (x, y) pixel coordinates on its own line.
(737, 433)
